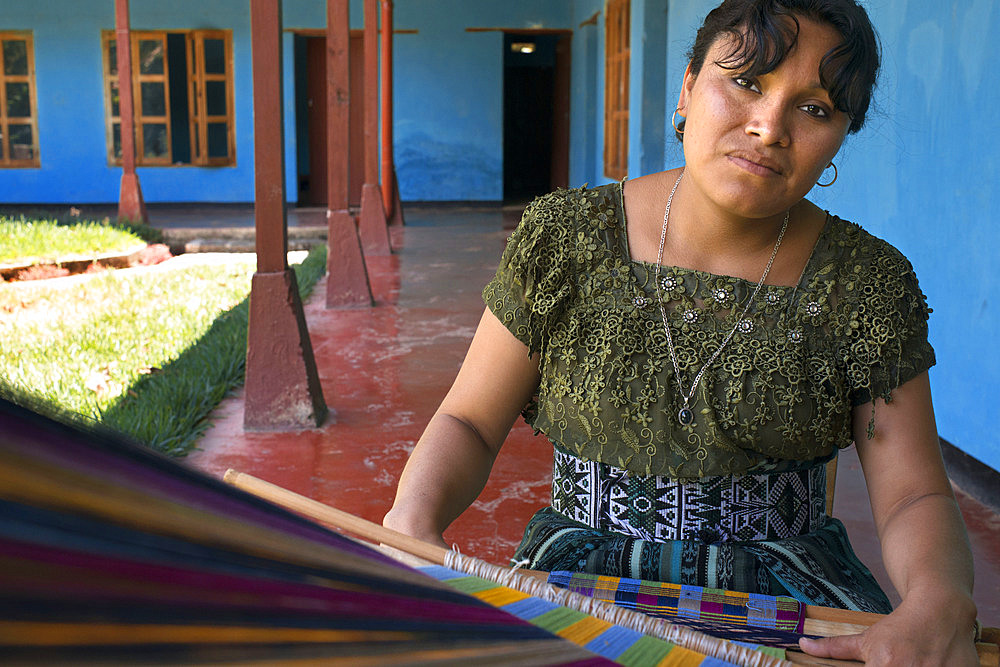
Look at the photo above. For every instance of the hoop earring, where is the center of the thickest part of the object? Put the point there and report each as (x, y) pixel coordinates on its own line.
(826, 185)
(673, 121)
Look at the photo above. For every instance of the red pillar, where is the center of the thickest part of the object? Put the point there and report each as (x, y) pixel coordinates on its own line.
(347, 283)
(130, 203)
(373, 225)
(282, 385)
(390, 188)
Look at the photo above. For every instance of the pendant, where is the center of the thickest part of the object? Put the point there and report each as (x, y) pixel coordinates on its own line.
(685, 416)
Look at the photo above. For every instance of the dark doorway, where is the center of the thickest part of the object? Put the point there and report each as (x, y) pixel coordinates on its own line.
(310, 119)
(536, 114)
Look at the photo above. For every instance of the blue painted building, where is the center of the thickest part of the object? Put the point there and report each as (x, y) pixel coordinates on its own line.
(923, 174)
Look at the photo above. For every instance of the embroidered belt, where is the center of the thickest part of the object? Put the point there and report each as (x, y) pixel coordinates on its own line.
(727, 508)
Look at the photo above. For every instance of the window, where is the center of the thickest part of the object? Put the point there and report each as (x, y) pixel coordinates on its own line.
(182, 87)
(616, 66)
(18, 110)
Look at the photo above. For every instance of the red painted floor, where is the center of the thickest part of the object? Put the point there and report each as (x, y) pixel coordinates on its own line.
(385, 369)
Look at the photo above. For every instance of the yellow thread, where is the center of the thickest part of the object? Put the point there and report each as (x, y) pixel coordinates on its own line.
(681, 657)
(584, 630)
(501, 596)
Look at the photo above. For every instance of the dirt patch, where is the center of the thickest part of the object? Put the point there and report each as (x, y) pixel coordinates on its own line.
(148, 256)
(40, 272)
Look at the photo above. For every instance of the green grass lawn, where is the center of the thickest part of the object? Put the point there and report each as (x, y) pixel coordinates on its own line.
(47, 241)
(150, 353)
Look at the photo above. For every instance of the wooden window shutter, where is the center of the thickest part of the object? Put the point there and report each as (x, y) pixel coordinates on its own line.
(18, 106)
(211, 97)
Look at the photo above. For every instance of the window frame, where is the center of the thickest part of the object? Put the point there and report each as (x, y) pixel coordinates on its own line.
(141, 118)
(7, 160)
(617, 56)
(195, 80)
(198, 115)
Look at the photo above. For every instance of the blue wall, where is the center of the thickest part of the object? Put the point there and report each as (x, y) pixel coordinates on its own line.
(448, 90)
(586, 101)
(448, 96)
(70, 103)
(649, 55)
(71, 128)
(923, 174)
(647, 80)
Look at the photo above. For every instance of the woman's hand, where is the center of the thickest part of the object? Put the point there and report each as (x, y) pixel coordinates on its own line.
(922, 631)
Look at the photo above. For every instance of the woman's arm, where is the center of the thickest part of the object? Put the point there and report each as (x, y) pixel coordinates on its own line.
(924, 545)
(452, 460)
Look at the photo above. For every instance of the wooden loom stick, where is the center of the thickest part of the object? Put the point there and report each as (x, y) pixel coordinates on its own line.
(676, 634)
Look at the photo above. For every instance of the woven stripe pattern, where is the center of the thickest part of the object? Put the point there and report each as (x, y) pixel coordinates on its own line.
(621, 645)
(693, 602)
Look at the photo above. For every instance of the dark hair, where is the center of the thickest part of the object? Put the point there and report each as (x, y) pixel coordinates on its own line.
(762, 37)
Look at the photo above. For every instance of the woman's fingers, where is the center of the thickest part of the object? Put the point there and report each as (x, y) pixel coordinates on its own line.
(845, 647)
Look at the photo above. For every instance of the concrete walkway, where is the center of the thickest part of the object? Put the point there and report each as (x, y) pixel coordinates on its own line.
(385, 369)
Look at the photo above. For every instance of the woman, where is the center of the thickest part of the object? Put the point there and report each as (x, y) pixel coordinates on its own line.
(697, 343)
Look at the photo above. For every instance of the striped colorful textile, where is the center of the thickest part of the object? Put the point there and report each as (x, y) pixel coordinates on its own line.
(111, 554)
(626, 647)
(675, 600)
(747, 618)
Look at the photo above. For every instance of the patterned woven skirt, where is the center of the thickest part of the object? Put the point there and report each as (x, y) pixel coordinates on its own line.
(762, 533)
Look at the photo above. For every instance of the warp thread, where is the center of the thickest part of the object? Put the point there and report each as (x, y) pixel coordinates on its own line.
(648, 625)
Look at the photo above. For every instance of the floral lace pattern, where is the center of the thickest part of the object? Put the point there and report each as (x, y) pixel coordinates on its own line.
(855, 327)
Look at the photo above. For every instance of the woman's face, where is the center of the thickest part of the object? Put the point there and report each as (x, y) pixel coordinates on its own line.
(755, 147)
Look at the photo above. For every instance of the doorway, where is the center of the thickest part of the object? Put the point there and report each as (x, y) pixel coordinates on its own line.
(310, 119)
(536, 114)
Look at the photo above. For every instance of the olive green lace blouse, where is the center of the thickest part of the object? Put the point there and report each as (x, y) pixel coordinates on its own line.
(854, 327)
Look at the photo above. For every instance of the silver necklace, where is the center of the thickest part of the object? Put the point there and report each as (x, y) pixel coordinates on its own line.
(686, 416)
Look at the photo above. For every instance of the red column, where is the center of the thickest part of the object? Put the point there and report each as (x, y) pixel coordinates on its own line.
(390, 188)
(373, 225)
(347, 283)
(268, 137)
(282, 385)
(130, 203)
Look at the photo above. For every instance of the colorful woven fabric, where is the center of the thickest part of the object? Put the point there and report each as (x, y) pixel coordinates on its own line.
(626, 647)
(750, 619)
(694, 602)
(818, 568)
(111, 554)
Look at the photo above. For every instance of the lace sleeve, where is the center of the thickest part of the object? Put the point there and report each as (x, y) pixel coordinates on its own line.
(890, 344)
(532, 284)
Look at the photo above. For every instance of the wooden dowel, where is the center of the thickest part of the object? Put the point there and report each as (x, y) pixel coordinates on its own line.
(334, 517)
(813, 626)
(842, 615)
